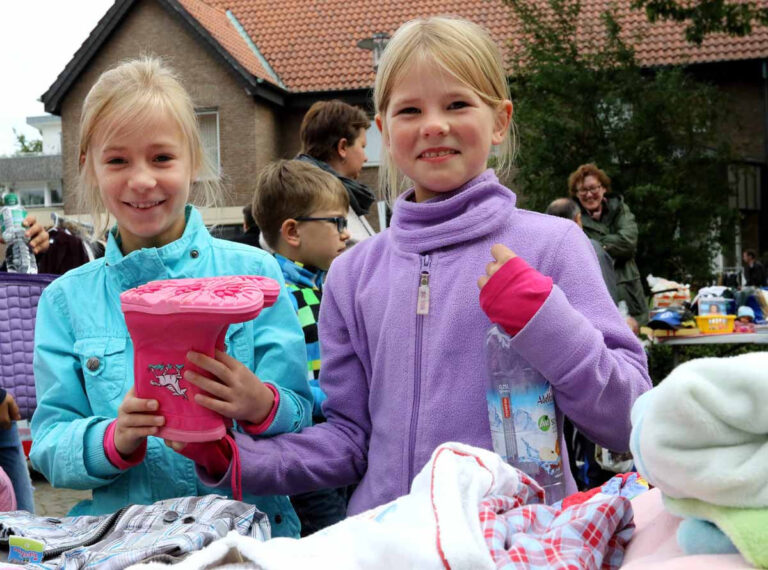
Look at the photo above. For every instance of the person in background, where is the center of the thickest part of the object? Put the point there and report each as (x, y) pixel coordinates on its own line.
(141, 156)
(302, 212)
(38, 237)
(12, 458)
(401, 328)
(251, 232)
(754, 271)
(332, 137)
(608, 220)
(583, 454)
(745, 320)
(568, 209)
(7, 496)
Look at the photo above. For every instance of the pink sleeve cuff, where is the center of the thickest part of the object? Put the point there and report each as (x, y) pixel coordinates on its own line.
(256, 429)
(213, 456)
(114, 455)
(514, 294)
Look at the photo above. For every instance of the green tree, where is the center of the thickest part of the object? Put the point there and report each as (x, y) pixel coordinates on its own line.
(653, 131)
(25, 145)
(707, 16)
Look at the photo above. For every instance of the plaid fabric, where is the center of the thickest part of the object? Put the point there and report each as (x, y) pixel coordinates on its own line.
(592, 534)
(166, 530)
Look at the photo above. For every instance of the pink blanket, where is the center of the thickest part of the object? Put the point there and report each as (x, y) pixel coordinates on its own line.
(654, 544)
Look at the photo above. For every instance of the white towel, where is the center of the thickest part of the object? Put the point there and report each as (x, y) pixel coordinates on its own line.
(703, 432)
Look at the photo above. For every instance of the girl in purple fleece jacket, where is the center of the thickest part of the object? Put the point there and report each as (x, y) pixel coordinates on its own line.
(401, 329)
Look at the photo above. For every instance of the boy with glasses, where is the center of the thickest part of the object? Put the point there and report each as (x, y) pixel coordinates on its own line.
(302, 213)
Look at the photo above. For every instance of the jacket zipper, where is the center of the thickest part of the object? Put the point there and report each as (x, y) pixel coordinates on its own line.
(422, 309)
(91, 538)
(100, 532)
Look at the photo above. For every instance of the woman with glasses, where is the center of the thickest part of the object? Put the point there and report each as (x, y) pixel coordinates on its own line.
(333, 138)
(608, 220)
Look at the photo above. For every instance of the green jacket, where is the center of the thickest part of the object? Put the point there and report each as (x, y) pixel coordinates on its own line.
(617, 233)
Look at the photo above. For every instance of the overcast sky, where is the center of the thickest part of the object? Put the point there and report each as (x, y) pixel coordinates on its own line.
(37, 39)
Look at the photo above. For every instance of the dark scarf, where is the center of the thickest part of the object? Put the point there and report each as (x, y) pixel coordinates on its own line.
(360, 196)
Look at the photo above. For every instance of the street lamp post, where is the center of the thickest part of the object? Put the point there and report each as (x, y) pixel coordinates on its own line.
(376, 44)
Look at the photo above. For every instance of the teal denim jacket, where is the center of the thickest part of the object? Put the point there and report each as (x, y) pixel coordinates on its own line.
(79, 318)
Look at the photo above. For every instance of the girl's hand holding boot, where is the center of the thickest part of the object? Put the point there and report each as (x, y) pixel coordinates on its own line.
(235, 391)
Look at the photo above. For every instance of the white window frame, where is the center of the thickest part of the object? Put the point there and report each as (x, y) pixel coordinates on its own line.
(25, 188)
(215, 112)
(373, 138)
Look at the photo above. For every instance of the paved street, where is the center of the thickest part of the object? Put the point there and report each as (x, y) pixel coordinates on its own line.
(55, 502)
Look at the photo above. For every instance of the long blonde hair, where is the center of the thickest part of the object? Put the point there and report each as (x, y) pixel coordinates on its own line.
(132, 94)
(461, 48)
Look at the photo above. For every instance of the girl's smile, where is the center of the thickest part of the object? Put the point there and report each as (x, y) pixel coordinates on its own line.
(438, 131)
(438, 154)
(145, 205)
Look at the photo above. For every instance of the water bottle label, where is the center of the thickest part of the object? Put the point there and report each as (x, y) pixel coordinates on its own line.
(12, 217)
(536, 428)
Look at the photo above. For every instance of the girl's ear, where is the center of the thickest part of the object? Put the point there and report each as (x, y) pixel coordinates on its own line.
(81, 162)
(289, 232)
(380, 126)
(502, 122)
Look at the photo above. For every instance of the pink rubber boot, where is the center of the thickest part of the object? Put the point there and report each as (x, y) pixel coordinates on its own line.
(166, 319)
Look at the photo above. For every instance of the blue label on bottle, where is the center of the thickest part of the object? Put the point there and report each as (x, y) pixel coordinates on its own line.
(536, 426)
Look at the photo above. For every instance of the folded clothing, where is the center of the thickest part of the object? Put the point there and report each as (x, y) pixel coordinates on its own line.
(703, 433)
(745, 529)
(701, 437)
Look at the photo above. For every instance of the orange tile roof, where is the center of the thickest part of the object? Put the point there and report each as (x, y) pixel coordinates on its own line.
(216, 21)
(312, 44)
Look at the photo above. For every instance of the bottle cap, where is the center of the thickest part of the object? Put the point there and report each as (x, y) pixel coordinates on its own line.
(10, 199)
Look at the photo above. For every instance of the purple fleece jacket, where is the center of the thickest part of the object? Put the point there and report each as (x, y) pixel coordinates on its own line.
(399, 383)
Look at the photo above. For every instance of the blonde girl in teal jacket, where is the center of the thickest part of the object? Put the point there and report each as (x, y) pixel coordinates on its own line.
(140, 152)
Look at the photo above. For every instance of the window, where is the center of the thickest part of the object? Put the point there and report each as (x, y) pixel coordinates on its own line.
(209, 133)
(34, 197)
(39, 195)
(744, 179)
(55, 197)
(373, 145)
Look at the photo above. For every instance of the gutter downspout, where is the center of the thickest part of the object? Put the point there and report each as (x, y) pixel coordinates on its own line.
(765, 112)
(763, 231)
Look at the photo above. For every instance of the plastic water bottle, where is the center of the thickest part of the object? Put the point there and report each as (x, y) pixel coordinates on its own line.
(19, 257)
(521, 411)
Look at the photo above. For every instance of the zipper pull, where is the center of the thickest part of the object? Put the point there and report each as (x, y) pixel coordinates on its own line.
(422, 305)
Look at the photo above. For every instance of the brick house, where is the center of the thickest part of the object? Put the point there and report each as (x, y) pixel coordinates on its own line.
(253, 67)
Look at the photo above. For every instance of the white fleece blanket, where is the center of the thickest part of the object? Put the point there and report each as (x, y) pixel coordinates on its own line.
(435, 526)
(703, 432)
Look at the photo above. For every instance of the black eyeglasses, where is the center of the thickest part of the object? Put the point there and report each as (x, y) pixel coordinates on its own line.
(584, 190)
(340, 221)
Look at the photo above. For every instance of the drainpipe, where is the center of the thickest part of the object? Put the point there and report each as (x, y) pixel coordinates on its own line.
(765, 113)
(765, 145)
